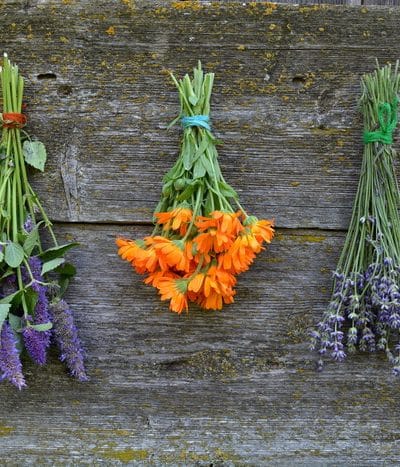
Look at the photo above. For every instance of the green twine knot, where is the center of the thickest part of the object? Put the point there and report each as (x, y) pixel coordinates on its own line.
(387, 118)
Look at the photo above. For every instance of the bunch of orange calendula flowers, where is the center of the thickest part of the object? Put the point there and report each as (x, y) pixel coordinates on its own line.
(200, 242)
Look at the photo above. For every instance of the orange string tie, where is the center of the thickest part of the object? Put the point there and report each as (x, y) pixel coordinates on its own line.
(13, 120)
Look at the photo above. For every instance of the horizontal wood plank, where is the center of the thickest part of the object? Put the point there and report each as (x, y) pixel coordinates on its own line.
(284, 103)
(231, 387)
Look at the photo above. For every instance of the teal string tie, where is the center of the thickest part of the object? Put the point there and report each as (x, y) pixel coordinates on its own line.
(197, 120)
(387, 118)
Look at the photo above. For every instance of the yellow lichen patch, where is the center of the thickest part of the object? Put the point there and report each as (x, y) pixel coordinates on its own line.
(124, 455)
(187, 5)
(295, 183)
(64, 39)
(6, 430)
(321, 29)
(285, 98)
(241, 47)
(129, 3)
(340, 143)
(364, 10)
(328, 131)
(308, 9)
(309, 238)
(366, 34)
(111, 31)
(269, 8)
(29, 35)
(272, 26)
(272, 259)
(68, 2)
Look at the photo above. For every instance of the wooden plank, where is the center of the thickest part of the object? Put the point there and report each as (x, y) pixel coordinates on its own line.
(227, 388)
(284, 102)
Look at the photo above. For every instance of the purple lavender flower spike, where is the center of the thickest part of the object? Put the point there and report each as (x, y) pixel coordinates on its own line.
(10, 363)
(28, 224)
(66, 336)
(37, 342)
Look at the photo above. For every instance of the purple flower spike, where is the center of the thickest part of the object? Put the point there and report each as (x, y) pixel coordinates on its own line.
(10, 363)
(37, 342)
(66, 336)
(28, 224)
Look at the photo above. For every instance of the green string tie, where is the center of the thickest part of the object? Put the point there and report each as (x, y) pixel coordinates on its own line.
(387, 117)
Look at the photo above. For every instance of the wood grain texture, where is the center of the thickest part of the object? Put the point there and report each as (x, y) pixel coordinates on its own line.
(209, 388)
(227, 388)
(284, 102)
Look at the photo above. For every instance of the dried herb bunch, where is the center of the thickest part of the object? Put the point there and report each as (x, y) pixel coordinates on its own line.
(32, 279)
(364, 311)
(203, 237)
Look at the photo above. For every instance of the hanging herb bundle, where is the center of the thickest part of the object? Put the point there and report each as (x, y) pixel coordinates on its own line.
(364, 311)
(32, 311)
(203, 238)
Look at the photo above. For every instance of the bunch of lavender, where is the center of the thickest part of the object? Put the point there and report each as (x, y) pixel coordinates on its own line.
(32, 279)
(364, 311)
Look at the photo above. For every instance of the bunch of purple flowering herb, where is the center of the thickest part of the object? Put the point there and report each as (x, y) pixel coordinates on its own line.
(32, 279)
(364, 311)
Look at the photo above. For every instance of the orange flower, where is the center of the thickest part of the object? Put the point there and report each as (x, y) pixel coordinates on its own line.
(217, 232)
(212, 288)
(175, 291)
(263, 230)
(170, 253)
(240, 255)
(212, 240)
(224, 222)
(142, 259)
(155, 277)
(196, 282)
(177, 219)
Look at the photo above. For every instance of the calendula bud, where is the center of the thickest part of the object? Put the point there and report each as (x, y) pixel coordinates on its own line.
(180, 184)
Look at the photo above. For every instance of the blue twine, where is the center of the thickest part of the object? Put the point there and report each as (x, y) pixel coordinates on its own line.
(197, 120)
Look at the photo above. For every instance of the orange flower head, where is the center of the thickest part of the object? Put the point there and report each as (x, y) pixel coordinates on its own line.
(142, 259)
(170, 253)
(177, 219)
(240, 255)
(175, 291)
(225, 222)
(263, 230)
(154, 277)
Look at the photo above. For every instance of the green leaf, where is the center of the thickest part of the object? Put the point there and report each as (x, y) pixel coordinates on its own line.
(63, 283)
(1, 256)
(35, 154)
(202, 148)
(4, 309)
(66, 270)
(57, 251)
(188, 191)
(31, 240)
(13, 254)
(187, 156)
(13, 298)
(208, 205)
(208, 165)
(41, 327)
(52, 264)
(31, 298)
(15, 322)
(227, 190)
(199, 170)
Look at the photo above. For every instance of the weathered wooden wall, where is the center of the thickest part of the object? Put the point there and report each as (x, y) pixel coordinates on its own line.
(217, 388)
